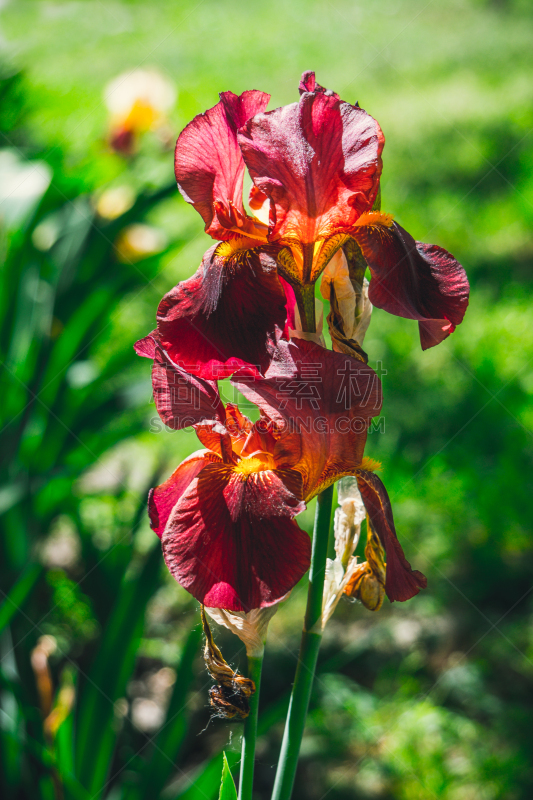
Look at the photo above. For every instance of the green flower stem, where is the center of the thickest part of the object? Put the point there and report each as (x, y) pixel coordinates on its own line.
(246, 779)
(307, 658)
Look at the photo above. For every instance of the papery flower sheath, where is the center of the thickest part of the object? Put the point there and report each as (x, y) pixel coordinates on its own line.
(226, 515)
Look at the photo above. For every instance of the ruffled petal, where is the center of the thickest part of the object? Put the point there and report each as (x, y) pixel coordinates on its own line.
(182, 399)
(208, 163)
(319, 161)
(321, 403)
(163, 498)
(227, 315)
(232, 542)
(412, 279)
(402, 582)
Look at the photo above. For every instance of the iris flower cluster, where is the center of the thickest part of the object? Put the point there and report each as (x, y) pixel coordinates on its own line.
(227, 516)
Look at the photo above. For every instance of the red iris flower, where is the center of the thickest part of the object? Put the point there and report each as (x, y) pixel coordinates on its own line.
(226, 515)
(319, 163)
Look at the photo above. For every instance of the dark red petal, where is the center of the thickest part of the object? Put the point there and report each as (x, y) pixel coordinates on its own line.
(402, 582)
(182, 399)
(318, 160)
(322, 403)
(232, 541)
(208, 162)
(163, 498)
(434, 331)
(146, 347)
(227, 315)
(414, 280)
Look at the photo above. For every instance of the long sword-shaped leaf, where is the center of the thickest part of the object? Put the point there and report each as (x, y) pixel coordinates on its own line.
(15, 599)
(227, 786)
(109, 676)
(170, 738)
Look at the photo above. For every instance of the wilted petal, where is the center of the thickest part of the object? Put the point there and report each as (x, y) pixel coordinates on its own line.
(367, 581)
(227, 315)
(321, 403)
(232, 542)
(402, 581)
(208, 162)
(319, 161)
(163, 498)
(231, 695)
(412, 279)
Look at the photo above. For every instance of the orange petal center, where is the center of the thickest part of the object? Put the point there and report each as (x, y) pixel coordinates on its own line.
(259, 462)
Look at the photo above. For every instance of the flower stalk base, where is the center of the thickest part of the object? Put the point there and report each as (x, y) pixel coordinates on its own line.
(255, 666)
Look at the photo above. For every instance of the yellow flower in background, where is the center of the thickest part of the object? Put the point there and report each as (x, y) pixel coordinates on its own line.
(138, 101)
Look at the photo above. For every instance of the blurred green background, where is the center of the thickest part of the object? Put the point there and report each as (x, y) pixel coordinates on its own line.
(428, 699)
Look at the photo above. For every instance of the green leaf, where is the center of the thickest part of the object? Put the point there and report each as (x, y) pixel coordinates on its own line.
(205, 782)
(109, 675)
(18, 594)
(227, 787)
(160, 762)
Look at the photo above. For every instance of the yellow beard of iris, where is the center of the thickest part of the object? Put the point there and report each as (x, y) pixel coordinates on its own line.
(235, 246)
(258, 463)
